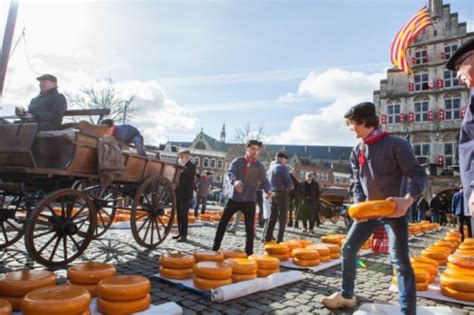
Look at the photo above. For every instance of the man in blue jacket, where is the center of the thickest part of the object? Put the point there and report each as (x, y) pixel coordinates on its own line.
(458, 209)
(126, 134)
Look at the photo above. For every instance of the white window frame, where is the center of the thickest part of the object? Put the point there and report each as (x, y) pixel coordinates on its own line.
(450, 79)
(421, 56)
(451, 156)
(213, 163)
(449, 50)
(205, 162)
(452, 108)
(424, 149)
(422, 114)
(393, 114)
(422, 81)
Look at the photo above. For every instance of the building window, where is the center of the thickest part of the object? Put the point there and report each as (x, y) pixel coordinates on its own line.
(393, 112)
(449, 50)
(213, 163)
(449, 150)
(220, 164)
(452, 108)
(219, 177)
(422, 149)
(197, 161)
(450, 79)
(205, 162)
(421, 56)
(421, 82)
(421, 111)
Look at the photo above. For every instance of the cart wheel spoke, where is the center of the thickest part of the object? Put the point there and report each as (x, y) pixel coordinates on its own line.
(53, 252)
(74, 241)
(43, 234)
(4, 230)
(47, 243)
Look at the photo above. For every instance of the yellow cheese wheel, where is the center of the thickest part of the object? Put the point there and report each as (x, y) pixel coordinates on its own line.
(304, 243)
(262, 273)
(462, 261)
(277, 249)
(430, 268)
(323, 250)
(436, 255)
(459, 282)
(208, 255)
(466, 246)
(212, 270)
(15, 301)
(234, 253)
(123, 307)
(192, 220)
(372, 209)
(177, 274)
(90, 272)
(460, 270)
(242, 265)
(324, 258)
(420, 286)
(447, 244)
(237, 277)
(424, 260)
(332, 239)
(205, 217)
(216, 218)
(306, 262)
(303, 253)
(123, 288)
(333, 248)
(177, 261)
(266, 262)
(421, 276)
(292, 245)
(280, 257)
(458, 295)
(5, 307)
(335, 255)
(60, 299)
(92, 288)
(206, 284)
(468, 241)
(19, 283)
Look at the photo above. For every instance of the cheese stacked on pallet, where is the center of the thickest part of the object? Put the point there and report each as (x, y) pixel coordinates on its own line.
(88, 275)
(280, 251)
(211, 275)
(335, 250)
(5, 307)
(177, 266)
(123, 294)
(453, 236)
(208, 255)
(306, 257)
(291, 246)
(427, 264)
(243, 269)
(333, 239)
(56, 300)
(438, 253)
(266, 265)
(234, 253)
(323, 251)
(15, 285)
(422, 278)
(304, 243)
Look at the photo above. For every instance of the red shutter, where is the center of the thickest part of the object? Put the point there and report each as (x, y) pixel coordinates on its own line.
(411, 117)
(440, 161)
(430, 115)
(384, 119)
(430, 84)
(440, 83)
(441, 114)
(443, 55)
(463, 112)
(411, 86)
(402, 117)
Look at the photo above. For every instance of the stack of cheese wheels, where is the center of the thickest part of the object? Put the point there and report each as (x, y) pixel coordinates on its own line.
(306, 257)
(334, 249)
(304, 243)
(333, 239)
(89, 274)
(427, 264)
(372, 209)
(323, 251)
(211, 275)
(15, 285)
(425, 226)
(266, 265)
(243, 269)
(454, 236)
(438, 253)
(291, 246)
(5, 307)
(445, 243)
(234, 253)
(205, 217)
(177, 266)
(208, 255)
(422, 278)
(457, 281)
(57, 300)
(280, 251)
(123, 294)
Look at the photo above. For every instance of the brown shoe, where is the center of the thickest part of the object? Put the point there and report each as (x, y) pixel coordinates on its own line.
(336, 300)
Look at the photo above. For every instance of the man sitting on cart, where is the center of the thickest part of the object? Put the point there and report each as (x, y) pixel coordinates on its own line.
(126, 134)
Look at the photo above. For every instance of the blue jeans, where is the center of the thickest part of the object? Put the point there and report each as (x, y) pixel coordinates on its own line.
(397, 230)
(200, 200)
(421, 215)
(435, 217)
(138, 141)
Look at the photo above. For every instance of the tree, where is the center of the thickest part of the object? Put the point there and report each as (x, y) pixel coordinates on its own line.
(103, 95)
(242, 136)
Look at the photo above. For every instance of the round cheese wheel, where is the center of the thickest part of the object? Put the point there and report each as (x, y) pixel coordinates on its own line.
(468, 241)
(420, 286)
(447, 244)
(205, 217)
(234, 253)
(421, 276)
(333, 248)
(468, 246)
(303, 253)
(457, 294)
(425, 260)
(212, 270)
(262, 273)
(324, 258)
(90, 272)
(19, 283)
(216, 218)
(436, 255)
(335, 255)
(465, 252)
(177, 274)
(292, 245)
(266, 262)
(277, 249)
(430, 268)
(461, 260)
(304, 243)
(306, 262)
(372, 209)
(177, 261)
(191, 220)
(323, 250)
(460, 270)
(15, 301)
(5, 307)
(92, 288)
(237, 277)
(60, 299)
(123, 288)
(332, 239)
(242, 265)
(124, 307)
(208, 255)
(206, 284)
(459, 282)
(280, 257)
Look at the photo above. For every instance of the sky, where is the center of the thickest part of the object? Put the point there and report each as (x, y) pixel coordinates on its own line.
(291, 66)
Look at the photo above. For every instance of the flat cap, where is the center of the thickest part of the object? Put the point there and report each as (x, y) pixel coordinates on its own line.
(466, 47)
(254, 142)
(281, 155)
(48, 77)
(361, 110)
(184, 151)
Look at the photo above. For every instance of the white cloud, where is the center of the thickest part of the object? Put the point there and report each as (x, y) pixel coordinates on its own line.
(338, 89)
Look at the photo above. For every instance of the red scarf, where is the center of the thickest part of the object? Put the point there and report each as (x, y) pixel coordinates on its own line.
(373, 137)
(248, 163)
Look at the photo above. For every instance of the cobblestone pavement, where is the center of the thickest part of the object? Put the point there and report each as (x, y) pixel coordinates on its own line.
(118, 247)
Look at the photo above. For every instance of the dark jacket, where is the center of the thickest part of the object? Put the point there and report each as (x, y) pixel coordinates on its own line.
(48, 109)
(457, 204)
(184, 191)
(310, 193)
(466, 153)
(295, 192)
(126, 133)
(279, 177)
(422, 204)
(255, 179)
(435, 205)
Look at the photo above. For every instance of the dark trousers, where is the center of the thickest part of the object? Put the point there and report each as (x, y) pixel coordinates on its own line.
(248, 209)
(315, 216)
(200, 200)
(292, 210)
(261, 220)
(280, 213)
(182, 210)
(467, 221)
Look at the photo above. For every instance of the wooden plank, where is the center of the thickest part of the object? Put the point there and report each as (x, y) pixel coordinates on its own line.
(87, 112)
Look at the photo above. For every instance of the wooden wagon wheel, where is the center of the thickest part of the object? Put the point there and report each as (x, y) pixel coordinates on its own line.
(60, 228)
(149, 220)
(105, 201)
(12, 217)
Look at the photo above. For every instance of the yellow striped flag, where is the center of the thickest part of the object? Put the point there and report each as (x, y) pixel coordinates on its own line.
(406, 36)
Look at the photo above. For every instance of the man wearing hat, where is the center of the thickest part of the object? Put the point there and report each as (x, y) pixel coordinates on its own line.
(126, 134)
(184, 193)
(245, 176)
(384, 167)
(281, 183)
(462, 61)
(49, 106)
